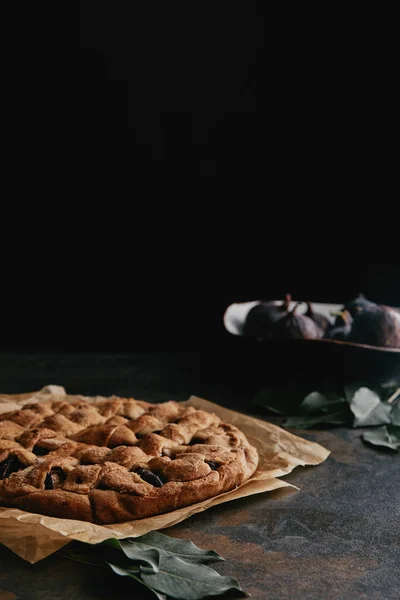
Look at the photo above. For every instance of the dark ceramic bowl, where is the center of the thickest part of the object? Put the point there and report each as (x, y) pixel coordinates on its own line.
(312, 359)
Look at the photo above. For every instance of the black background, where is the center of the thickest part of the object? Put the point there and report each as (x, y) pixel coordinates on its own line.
(193, 156)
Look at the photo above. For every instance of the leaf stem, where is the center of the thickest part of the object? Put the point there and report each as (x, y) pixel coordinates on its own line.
(393, 397)
(86, 562)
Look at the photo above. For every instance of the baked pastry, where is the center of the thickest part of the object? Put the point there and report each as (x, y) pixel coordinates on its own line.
(117, 459)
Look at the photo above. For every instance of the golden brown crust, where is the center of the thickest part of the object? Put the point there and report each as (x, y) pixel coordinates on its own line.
(117, 459)
(10, 430)
(57, 503)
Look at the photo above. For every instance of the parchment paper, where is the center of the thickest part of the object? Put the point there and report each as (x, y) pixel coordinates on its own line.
(33, 536)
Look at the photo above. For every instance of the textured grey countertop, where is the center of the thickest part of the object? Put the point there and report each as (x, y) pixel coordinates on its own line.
(336, 538)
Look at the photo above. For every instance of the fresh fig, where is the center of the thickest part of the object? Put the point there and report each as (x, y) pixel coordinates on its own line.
(261, 318)
(323, 322)
(341, 327)
(376, 326)
(354, 307)
(296, 327)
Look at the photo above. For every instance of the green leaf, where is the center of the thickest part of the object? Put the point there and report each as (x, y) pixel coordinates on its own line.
(154, 544)
(87, 559)
(140, 553)
(320, 409)
(350, 389)
(317, 402)
(89, 555)
(388, 436)
(112, 542)
(282, 400)
(125, 571)
(132, 574)
(164, 564)
(368, 409)
(393, 433)
(309, 421)
(188, 581)
(395, 415)
(269, 401)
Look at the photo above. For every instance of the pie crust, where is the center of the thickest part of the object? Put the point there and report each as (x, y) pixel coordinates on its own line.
(117, 459)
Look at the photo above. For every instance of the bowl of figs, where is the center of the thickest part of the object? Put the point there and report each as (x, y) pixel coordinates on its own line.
(357, 340)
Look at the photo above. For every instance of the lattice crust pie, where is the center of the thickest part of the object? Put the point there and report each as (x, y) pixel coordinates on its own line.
(117, 459)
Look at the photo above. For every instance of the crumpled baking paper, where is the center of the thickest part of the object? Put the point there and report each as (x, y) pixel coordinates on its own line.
(34, 536)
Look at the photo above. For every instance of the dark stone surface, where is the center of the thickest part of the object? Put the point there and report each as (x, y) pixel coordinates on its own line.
(336, 538)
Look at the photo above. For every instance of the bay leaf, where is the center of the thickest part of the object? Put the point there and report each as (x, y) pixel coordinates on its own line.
(96, 555)
(165, 565)
(188, 581)
(368, 409)
(147, 555)
(86, 557)
(393, 432)
(316, 402)
(395, 414)
(310, 421)
(351, 387)
(387, 436)
(283, 399)
(154, 543)
(132, 573)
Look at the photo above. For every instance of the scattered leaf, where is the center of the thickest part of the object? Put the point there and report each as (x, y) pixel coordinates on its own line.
(88, 555)
(350, 389)
(320, 409)
(153, 544)
(388, 436)
(132, 573)
(309, 421)
(356, 405)
(149, 556)
(188, 581)
(395, 414)
(368, 409)
(393, 433)
(282, 400)
(326, 403)
(167, 566)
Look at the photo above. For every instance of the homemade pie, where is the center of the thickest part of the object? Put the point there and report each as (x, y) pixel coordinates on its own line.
(117, 459)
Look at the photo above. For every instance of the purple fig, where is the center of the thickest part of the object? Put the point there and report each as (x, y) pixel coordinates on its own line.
(322, 322)
(296, 327)
(376, 326)
(261, 318)
(354, 307)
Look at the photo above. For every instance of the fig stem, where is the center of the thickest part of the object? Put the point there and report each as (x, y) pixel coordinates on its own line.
(287, 301)
(393, 397)
(295, 308)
